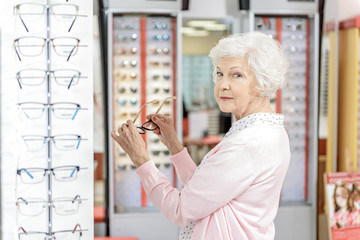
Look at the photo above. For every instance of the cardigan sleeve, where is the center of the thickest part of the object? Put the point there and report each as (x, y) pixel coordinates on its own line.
(222, 177)
(184, 166)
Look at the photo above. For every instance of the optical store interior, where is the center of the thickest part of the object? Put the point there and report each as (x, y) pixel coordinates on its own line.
(72, 71)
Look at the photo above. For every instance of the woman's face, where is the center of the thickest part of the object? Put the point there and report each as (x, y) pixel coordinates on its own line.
(235, 86)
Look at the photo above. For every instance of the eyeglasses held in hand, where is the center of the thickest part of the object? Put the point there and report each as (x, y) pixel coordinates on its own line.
(37, 175)
(64, 142)
(36, 206)
(150, 125)
(63, 110)
(34, 46)
(28, 12)
(36, 77)
(74, 234)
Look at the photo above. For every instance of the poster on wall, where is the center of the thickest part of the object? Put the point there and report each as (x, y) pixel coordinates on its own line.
(46, 120)
(342, 191)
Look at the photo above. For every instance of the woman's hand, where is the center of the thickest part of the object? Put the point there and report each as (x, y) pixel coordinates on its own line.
(131, 142)
(166, 132)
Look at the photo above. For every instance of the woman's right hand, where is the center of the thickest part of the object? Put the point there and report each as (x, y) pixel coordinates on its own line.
(166, 132)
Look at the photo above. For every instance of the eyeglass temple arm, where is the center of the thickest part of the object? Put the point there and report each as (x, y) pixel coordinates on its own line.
(21, 229)
(77, 109)
(72, 173)
(72, 24)
(26, 202)
(71, 53)
(138, 114)
(77, 146)
(17, 52)
(76, 197)
(18, 79)
(22, 21)
(77, 226)
(162, 104)
(72, 79)
(27, 172)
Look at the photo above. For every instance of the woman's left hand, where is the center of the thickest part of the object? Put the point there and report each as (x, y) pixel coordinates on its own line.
(131, 142)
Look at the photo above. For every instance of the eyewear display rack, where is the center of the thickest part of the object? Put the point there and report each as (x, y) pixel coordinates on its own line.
(48, 86)
(297, 31)
(144, 49)
(332, 94)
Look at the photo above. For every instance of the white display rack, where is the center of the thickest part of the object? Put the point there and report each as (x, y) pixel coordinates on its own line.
(47, 120)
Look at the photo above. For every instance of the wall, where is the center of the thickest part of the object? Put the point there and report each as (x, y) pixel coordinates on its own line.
(341, 9)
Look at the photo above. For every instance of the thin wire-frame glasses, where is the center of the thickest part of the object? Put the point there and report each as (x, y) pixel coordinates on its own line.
(62, 110)
(74, 234)
(37, 175)
(34, 46)
(30, 11)
(150, 125)
(36, 77)
(63, 142)
(36, 206)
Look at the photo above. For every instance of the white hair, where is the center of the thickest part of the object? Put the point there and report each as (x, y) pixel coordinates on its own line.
(264, 55)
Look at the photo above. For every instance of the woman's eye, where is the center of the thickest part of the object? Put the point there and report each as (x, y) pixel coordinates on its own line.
(237, 75)
(219, 74)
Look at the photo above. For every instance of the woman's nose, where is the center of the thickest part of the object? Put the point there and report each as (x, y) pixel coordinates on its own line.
(224, 84)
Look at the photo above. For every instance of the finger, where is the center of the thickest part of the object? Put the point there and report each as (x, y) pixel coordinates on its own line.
(157, 131)
(114, 135)
(148, 117)
(120, 130)
(113, 132)
(124, 128)
(159, 121)
(160, 116)
(131, 125)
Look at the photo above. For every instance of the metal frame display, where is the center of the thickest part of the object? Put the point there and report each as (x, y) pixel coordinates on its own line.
(144, 56)
(298, 33)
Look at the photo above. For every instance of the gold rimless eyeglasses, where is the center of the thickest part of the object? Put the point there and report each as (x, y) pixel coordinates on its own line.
(150, 125)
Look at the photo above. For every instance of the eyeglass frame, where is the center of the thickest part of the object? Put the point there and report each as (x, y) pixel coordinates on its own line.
(43, 46)
(142, 127)
(77, 198)
(52, 233)
(47, 6)
(47, 171)
(50, 106)
(47, 138)
(47, 73)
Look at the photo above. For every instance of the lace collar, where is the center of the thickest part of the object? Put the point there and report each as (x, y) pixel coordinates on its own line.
(256, 118)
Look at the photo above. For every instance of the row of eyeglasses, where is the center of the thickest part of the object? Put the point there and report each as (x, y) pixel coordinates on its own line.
(72, 234)
(32, 11)
(33, 46)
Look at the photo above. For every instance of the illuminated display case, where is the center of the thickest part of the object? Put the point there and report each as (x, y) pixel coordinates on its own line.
(296, 28)
(144, 55)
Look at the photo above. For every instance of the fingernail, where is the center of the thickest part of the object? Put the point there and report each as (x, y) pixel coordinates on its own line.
(154, 118)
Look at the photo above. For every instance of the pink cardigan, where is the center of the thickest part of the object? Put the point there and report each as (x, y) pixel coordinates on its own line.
(234, 194)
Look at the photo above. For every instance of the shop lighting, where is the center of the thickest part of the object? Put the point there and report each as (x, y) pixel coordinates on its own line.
(201, 23)
(215, 27)
(191, 32)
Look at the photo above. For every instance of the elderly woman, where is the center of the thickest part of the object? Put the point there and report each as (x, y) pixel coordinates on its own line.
(234, 193)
